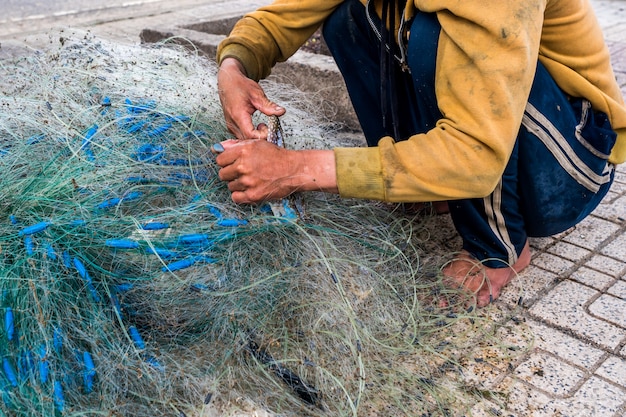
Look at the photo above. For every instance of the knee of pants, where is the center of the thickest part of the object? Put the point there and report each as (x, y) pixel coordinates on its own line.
(564, 172)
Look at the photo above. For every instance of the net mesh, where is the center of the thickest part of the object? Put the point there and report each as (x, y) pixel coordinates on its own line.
(132, 285)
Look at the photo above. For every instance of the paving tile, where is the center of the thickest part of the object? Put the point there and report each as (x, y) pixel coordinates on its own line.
(605, 13)
(613, 369)
(613, 194)
(617, 248)
(618, 289)
(618, 187)
(530, 284)
(550, 374)
(541, 243)
(524, 400)
(480, 374)
(564, 346)
(504, 344)
(611, 309)
(564, 305)
(560, 236)
(596, 398)
(591, 278)
(568, 251)
(552, 263)
(616, 48)
(591, 232)
(486, 409)
(615, 212)
(607, 265)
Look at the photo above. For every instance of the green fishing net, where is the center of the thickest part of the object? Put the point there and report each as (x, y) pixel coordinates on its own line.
(131, 285)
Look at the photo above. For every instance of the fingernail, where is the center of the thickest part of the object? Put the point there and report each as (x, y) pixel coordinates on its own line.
(218, 147)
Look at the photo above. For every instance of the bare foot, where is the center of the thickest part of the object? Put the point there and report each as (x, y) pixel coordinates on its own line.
(484, 282)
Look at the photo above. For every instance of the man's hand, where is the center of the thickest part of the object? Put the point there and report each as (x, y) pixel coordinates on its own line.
(241, 97)
(258, 171)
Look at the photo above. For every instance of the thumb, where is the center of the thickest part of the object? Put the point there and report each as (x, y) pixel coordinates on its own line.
(229, 143)
(269, 108)
(220, 147)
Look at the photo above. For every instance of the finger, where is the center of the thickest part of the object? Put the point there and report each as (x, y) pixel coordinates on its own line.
(262, 130)
(235, 186)
(240, 197)
(250, 132)
(242, 127)
(217, 148)
(232, 143)
(224, 158)
(268, 107)
(228, 174)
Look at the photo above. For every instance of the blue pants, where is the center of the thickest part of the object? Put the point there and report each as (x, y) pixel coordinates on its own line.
(558, 171)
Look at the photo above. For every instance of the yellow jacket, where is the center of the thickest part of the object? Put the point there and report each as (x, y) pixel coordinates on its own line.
(486, 62)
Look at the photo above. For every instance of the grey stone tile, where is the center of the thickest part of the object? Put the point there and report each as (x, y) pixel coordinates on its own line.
(486, 409)
(591, 232)
(480, 374)
(615, 211)
(617, 248)
(541, 243)
(607, 13)
(523, 399)
(560, 236)
(612, 195)
(568, 251)
(618, 289)
(552, 263)
(613, 369)
(596, 398)
(530, 284)
(591, 278)
(564, 305)
(550, 374)
(618, 187)
(607, 265)
(564, 346)
(611, 309)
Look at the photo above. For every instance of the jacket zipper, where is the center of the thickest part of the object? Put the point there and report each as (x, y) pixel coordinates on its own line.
(401, 31)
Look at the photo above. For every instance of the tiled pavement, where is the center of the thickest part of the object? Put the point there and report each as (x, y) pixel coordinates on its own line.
(574, 300)
(573, 296)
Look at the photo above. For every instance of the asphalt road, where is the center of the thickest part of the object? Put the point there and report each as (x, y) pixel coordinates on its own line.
(15, 10)
(24, 18)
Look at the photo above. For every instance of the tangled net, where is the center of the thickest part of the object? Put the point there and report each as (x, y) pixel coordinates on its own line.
(131, 285)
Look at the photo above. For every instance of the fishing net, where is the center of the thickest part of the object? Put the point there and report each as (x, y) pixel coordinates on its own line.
(131, 285)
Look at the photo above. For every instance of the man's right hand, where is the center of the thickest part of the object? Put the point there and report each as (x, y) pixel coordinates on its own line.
(241, 97)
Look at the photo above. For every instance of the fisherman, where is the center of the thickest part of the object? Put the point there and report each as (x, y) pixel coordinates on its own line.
(507, 110)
